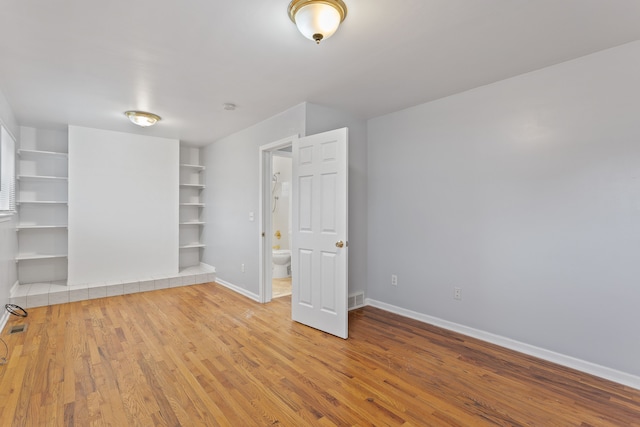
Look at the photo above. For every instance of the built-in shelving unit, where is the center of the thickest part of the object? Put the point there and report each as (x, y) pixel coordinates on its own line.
(42, 206)
(191, 207)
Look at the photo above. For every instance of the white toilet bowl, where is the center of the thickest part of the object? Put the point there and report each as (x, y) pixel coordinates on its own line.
(281, 263)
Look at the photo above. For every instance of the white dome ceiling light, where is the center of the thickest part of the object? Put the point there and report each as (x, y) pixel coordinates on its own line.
(142, 118)
(317, 19)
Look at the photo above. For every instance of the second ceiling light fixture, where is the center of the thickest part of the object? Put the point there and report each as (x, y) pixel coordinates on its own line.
(317, 19)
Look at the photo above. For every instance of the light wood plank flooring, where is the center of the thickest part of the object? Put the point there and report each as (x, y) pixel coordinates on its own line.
(205, 356)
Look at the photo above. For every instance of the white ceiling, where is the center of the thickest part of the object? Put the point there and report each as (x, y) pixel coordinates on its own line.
(85, 62)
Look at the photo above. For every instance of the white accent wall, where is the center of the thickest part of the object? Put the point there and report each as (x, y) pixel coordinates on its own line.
(526, 195)
(8, 237)
(123, 206)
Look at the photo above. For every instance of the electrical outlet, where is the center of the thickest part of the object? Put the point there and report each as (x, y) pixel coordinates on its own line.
(457, 293)
(242, 267)
(394, 280)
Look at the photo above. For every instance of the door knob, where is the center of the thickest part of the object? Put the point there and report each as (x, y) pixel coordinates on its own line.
(339, 244)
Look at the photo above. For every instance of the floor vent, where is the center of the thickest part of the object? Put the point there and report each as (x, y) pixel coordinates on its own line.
(17, 329)
(356, 300)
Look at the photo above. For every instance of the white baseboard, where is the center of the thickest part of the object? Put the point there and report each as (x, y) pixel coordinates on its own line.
(560, 359)
(238, 289)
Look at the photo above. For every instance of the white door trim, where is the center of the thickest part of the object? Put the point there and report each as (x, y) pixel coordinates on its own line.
(264, 213)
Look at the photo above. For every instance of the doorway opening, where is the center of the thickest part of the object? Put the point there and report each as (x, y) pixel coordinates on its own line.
(281, 225)
(275, 219)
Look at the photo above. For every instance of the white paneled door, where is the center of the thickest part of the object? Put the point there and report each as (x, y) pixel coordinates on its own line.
(319, 239)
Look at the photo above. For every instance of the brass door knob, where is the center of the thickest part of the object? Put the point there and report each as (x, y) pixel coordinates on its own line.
(340, 244)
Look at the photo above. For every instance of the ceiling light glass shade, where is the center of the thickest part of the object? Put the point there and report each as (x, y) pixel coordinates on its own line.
(317, 19)
(142, 118)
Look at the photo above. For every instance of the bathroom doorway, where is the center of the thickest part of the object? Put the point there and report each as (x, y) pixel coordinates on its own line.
(276, 169)
(280, 202)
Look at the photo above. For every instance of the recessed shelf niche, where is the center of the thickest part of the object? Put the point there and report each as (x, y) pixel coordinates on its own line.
(191, 207)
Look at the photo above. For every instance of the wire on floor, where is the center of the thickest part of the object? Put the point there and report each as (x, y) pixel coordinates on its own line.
(16, 310)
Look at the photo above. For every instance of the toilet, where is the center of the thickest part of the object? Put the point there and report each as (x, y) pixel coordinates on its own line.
(281, 259)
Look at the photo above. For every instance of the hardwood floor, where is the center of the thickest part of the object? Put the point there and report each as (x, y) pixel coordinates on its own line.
(205, 356)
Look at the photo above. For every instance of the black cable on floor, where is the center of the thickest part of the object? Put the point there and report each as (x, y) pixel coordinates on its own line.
(16, 310)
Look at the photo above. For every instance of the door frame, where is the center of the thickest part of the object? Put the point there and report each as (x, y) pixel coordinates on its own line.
(264, 213)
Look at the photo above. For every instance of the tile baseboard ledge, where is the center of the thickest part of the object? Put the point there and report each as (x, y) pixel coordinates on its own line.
(50, 293)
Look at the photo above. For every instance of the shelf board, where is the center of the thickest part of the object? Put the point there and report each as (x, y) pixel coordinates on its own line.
(39, 227)
(26, 257)
(192, 245)
(201, 205)
(199, 167)
(200, 186)
(42, 202)
(44, 153)
(192, 223)
(56, 178)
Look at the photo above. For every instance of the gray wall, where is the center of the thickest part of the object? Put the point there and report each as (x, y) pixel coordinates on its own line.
(8, 236)
(322, 119)
(232, 192)
(232, 181)
(525, 194)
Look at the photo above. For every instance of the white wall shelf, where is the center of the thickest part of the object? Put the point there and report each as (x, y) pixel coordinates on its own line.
(39, 227)
(42, 202)
(192, 223)
(29, 257)
(187, 166)
(42, 177)
(42, 153)
(199, 205)
(193, 245)
(199, 186)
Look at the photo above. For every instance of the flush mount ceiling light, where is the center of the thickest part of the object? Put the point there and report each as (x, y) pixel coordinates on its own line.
(317, 19)
(142, 118)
